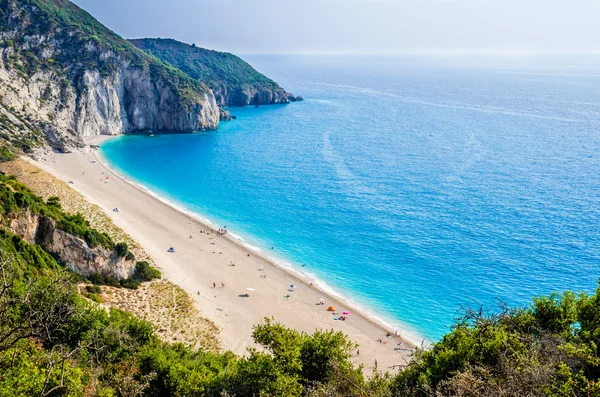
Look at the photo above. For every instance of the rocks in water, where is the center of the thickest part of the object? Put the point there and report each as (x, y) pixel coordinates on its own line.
(224, 115)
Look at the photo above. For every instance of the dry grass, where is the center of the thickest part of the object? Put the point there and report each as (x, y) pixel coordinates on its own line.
(170, 309)
(46, 185)
(166, 306)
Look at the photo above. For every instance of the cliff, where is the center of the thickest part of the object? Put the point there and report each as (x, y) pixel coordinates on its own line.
(71, 250)
(70, 238)
(64, 76)
(233, 81)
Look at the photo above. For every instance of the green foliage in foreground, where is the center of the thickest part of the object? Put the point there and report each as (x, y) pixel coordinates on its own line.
(54, 342)
(549, 349)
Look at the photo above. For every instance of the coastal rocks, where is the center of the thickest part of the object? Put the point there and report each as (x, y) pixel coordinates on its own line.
(125, 101)
(72, 251)
(224, 115)
(63, 86)
(252, 95)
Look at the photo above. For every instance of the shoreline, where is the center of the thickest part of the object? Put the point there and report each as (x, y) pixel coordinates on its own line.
(369, 327)
(282, 263)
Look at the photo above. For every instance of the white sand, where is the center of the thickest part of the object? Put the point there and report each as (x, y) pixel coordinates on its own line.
(197, 263)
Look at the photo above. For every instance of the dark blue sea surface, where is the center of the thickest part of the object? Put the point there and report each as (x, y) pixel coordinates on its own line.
(412, 185)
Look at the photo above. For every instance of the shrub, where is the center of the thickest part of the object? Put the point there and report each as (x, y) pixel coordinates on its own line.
(122, 250)
(6, 154)
(99, 279)
(93, 289)
(130, 283)
(145, 272)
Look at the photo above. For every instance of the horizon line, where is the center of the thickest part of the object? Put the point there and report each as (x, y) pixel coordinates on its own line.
(425, 52)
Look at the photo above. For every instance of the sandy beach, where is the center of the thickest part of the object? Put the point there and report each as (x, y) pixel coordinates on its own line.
(202, 258)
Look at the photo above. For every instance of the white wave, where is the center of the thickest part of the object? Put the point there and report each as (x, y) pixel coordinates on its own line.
(333, 157)
(459, 106)
(474, 152)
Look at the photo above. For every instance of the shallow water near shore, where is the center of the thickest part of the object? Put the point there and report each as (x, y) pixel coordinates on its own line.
(413, 185)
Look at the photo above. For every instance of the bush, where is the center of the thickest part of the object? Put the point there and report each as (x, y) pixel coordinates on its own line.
(93, 289)
(130, 283)
(95, 298)
(122, 250)
(145, 272)
(6, 154)
(99, 279)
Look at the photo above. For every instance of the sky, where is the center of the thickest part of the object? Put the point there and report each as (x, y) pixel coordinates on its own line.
(361, 26)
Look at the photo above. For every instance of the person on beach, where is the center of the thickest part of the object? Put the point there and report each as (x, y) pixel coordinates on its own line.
(222, 285)
(358, 352)
(214, 285)
(375, 364)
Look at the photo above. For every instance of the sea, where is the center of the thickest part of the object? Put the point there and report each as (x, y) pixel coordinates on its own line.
(415, 187)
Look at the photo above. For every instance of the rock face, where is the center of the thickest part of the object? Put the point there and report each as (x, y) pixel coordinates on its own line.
(64, 76)
(252, 95)
(71, 85)
(72, 251)
(233, 81)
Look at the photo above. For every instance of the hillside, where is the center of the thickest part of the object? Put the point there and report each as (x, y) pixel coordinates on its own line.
(65, 76)
(233, 81)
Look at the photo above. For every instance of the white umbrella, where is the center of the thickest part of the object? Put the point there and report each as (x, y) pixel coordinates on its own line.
(322, 300)
(250, 289)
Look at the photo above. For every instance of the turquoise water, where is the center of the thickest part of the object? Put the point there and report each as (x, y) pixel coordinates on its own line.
(414, 186)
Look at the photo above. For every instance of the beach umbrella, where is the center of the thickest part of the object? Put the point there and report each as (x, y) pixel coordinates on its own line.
(322, 300)
(346, 313)
(250, 289)
(331, 309)
(292, 286)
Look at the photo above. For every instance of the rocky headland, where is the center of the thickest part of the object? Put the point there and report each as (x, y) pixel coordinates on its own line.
(64, 76)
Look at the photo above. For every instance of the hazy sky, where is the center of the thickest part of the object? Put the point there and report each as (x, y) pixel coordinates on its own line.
(245, 26)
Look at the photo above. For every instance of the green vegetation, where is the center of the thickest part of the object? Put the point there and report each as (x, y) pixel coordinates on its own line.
(549, 349)
(54, 341)
(209, 66)
(145, 272)
(85, 44)
(14, 197)
(6, 154)
(214, 68)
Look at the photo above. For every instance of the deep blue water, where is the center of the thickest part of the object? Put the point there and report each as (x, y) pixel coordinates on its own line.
(414, 185)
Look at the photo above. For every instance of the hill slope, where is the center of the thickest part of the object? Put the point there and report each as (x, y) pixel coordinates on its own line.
(64, 76)
(233, 81)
